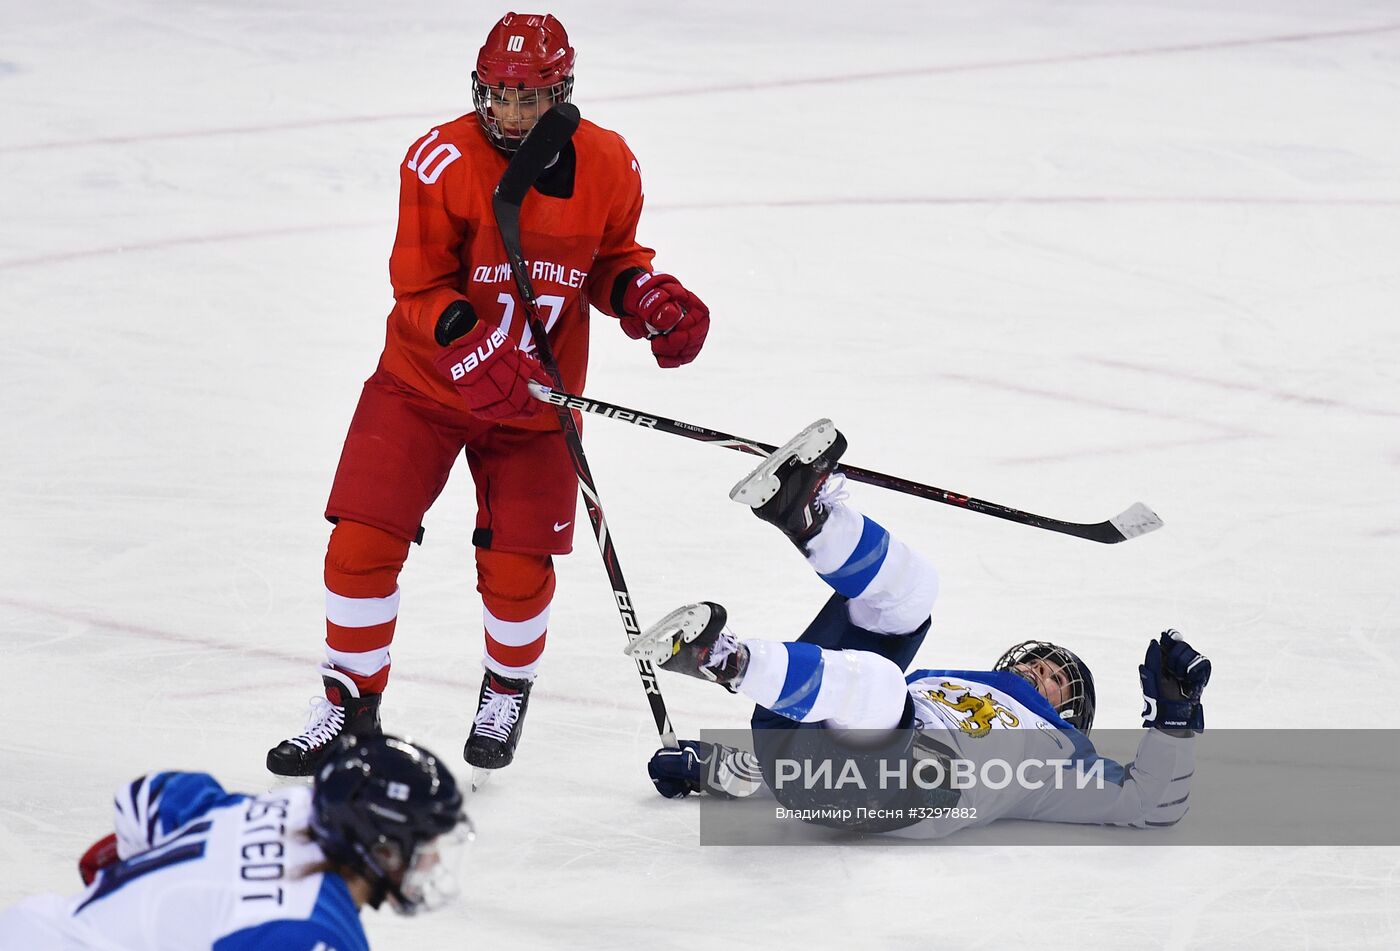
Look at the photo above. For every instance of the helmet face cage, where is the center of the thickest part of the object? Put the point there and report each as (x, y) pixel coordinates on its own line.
(392, 813)
(525, 66)
(526, 103)
(430, 881)
(1077, 709)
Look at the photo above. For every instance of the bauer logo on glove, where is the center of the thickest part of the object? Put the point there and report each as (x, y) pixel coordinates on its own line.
(492, 375)
(477, 355)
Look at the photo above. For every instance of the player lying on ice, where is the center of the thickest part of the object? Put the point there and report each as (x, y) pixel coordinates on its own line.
(191, 866)
(847, 673)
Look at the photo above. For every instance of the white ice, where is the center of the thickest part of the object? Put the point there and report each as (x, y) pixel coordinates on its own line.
(1062, 256)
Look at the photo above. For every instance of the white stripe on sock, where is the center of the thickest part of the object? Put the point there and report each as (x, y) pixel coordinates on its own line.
(361, 612)
(365, 664)
(528, 672)
(516, 633)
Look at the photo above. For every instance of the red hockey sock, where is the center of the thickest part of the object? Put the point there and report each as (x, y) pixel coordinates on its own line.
(362, 601)
(516, 592)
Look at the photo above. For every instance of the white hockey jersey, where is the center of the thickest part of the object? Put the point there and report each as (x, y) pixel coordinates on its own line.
(980, 715)
(201, 869)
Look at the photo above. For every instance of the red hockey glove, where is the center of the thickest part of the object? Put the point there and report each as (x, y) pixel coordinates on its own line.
(676, 321)
(99, 855)
(492, 374)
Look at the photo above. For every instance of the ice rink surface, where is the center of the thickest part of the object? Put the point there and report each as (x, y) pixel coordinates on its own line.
(1062, 256)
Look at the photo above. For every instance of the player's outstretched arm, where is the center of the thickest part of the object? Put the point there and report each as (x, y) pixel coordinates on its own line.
(1173, 674)
(1156, 788)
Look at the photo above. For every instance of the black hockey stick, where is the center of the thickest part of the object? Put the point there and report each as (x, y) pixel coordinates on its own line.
(551, 133)
(1137, 520)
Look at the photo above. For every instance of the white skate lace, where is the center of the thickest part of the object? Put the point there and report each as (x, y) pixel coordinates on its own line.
(323, 725)
(833, 492)
(724, 648)
(497, 714)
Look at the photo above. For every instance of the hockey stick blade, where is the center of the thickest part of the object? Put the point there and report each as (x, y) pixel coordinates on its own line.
(551, 133)
(1137, 520)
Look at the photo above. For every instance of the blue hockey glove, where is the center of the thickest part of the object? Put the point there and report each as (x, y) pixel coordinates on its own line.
(1173, 676)
(678, 773)
(720, 771)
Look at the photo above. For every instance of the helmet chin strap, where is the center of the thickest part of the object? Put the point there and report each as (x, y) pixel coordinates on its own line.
(382, 886)
(385, 889)
(379, 891)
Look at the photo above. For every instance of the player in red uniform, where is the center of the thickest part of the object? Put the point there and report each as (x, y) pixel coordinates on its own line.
(454, 378)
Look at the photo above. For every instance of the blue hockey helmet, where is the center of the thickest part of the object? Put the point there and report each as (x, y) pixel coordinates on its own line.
(1057, 674)
(391, 812)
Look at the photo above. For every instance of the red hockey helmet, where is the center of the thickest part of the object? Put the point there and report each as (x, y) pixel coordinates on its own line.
(525, 66)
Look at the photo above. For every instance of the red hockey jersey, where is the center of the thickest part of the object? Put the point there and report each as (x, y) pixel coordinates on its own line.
(449, 248)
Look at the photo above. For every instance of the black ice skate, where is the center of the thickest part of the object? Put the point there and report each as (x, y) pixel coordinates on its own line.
(342, 710)
(500, 715)
(785, 489)
(692, 640)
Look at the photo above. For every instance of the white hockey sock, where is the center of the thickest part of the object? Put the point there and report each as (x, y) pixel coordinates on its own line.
(900, 597)
(854, 690)
(892, 588)
(833, 545)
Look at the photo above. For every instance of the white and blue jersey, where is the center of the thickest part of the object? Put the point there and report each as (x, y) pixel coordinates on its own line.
(981, 715)
(200, 869)
(970, 704)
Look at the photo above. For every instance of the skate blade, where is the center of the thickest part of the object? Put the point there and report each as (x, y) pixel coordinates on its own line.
(480, 777)
(762, 483)
(656, 644)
